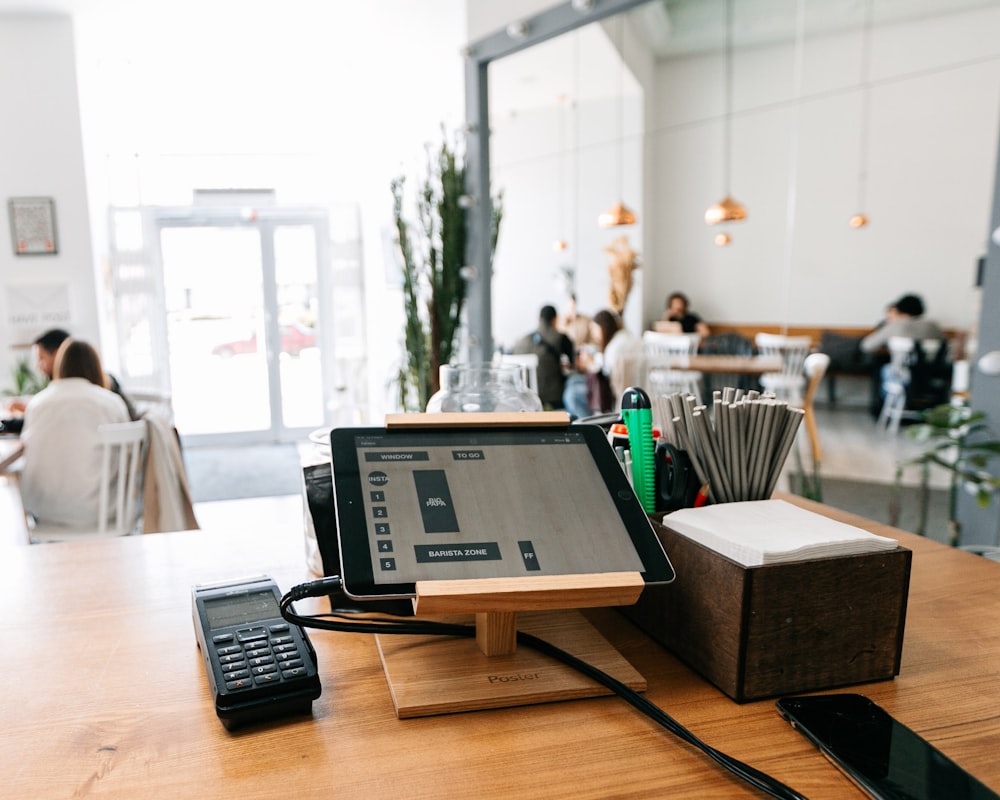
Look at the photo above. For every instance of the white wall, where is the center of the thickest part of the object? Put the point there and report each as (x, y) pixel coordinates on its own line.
(41, 155)
(933, 134)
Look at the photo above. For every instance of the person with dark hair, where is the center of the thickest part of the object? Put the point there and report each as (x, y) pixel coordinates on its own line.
(680, 319)
(46, 347)
(60, 482)
(612, 340)
(904, 318)
(555, 357)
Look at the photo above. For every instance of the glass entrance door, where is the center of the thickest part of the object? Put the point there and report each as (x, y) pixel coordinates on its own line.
(241, 303)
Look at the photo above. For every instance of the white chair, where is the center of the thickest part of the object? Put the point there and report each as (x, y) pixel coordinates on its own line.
(667, 360)
(895, 380)
(528, 362)
(789, 384)
(121, 474)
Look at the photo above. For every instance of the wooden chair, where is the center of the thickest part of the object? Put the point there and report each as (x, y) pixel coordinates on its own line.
(121, 475)
(815, 367)
(789, 384)
(667, 357)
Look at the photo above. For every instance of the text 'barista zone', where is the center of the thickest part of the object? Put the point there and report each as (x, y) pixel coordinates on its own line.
(437, 512)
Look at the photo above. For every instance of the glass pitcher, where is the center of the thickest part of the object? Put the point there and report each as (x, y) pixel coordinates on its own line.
(483, 387)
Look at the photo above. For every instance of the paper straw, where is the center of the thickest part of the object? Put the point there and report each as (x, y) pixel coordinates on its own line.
(688, 446)
(739, 425)
(710, 444)
(793, 420)
(701, 443)
(755, 425)
(761, 457)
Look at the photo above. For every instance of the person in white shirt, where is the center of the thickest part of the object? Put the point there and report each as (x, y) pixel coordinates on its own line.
(60, 481)
(905, 318)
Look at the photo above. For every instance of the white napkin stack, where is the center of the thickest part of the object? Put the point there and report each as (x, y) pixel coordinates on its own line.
(757, 532)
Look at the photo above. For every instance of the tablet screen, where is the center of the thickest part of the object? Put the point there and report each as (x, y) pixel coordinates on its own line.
(430, 504)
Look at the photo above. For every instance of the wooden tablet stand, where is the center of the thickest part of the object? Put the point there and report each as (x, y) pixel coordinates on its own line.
(430, 675)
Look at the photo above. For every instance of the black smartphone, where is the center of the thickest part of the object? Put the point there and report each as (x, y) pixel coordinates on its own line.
(259, 666)
(880, 754)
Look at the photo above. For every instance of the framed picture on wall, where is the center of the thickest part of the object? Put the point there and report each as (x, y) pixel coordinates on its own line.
(33, 225)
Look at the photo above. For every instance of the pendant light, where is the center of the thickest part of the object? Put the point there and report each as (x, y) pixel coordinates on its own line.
(619, 214)
(727, 209)
(860, 219)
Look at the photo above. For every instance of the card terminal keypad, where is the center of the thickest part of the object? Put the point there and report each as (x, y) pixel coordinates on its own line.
(258, 656)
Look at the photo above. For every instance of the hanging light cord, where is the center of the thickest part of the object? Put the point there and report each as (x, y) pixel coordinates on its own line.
(726, 128)
(793, 160)
(866, 44)
(621, 106)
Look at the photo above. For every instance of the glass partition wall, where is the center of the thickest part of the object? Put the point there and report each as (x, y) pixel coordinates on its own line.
(555, 121)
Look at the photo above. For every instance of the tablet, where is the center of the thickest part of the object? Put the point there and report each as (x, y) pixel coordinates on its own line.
(417, 504)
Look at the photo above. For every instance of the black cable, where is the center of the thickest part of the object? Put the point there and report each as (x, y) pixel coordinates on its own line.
(358, 620)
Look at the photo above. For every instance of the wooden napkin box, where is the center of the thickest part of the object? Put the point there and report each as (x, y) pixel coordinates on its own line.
(758, 632)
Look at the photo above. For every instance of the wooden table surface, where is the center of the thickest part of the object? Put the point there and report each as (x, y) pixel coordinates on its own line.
(10, 451)
(718, 364)
(106, 694)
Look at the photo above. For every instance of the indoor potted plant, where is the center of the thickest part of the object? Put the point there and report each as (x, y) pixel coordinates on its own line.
(434, 286)
(960, 441)
(26, 382)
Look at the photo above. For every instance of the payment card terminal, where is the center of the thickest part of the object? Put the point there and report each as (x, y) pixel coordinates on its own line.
(259, 666)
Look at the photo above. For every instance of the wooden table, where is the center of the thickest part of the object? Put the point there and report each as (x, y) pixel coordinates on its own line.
(633, 369)
(733, 365)
(106, 694)
(10, 451)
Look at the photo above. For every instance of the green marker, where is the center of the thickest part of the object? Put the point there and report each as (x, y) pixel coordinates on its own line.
(637, 414)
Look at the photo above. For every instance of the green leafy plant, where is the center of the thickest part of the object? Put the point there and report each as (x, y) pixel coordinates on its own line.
(434, 287)
(960, 441)
(26, 382)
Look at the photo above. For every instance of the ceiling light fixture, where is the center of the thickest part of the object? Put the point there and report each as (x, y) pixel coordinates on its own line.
(727, 209)
(860, 219)
(619, 214)
(518, 31)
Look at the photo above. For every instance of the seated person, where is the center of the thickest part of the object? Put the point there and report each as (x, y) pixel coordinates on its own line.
(60, 482)
(555, 355)
(46, 346)
(613, 342)
(682, 320)
(903, 318)
(575, 394)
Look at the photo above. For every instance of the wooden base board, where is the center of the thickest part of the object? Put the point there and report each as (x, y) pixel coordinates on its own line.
(429, 675)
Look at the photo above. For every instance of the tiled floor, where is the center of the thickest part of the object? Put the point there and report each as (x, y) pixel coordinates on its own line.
(854, 449)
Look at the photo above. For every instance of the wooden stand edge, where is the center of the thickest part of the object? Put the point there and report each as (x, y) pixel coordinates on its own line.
(530, 419)
(496, 601)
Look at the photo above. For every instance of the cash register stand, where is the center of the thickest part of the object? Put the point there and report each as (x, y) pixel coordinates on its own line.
(430, 675)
